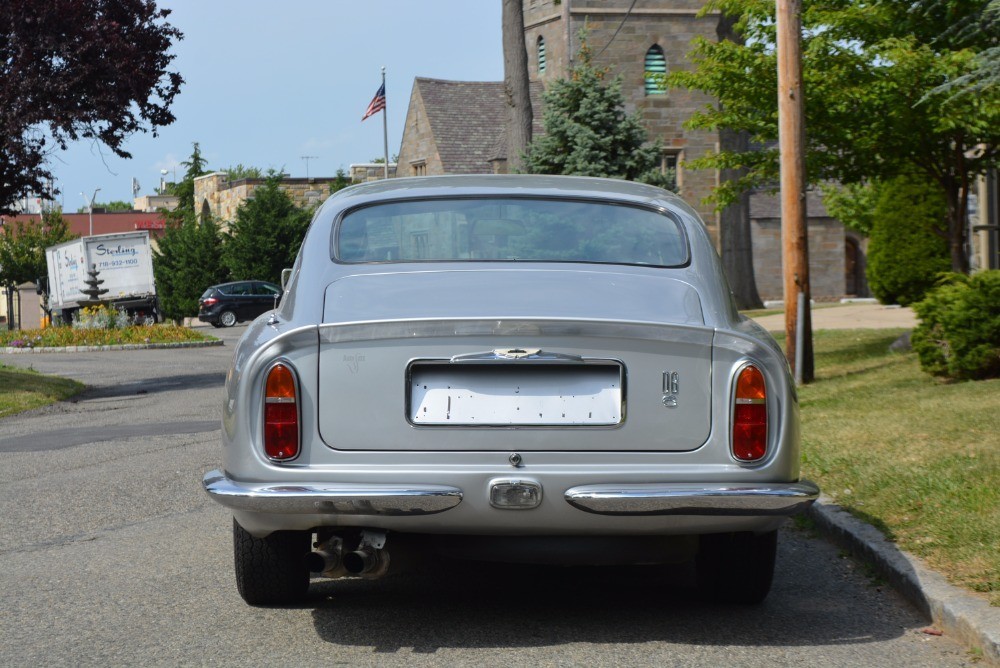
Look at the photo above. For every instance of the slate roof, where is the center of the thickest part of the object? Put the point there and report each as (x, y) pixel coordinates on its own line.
(467, 119)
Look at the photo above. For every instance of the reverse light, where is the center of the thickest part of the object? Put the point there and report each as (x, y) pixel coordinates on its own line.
(749, 442)
(281, 414)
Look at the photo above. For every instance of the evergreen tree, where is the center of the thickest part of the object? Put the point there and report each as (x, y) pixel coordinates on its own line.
(266, 235)
(588, 133)
(189, 254)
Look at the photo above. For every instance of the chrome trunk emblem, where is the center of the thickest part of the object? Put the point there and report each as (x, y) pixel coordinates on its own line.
(671, 388)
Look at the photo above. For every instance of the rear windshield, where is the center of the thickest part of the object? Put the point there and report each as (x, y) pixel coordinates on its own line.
(542, 230)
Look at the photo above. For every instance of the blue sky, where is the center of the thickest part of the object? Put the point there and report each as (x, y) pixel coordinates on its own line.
(268, 82)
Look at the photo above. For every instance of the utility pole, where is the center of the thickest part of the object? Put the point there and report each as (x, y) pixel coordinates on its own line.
(307, 158)
(794, 233)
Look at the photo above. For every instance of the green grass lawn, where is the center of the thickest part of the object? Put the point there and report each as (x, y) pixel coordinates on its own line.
(916, 457)
(22, 390)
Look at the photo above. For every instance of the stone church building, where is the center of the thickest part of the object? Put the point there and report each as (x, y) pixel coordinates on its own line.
(457, 127)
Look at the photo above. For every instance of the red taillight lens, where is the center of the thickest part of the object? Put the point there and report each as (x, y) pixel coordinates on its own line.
(750, 416)
(281, 414)
(209, 301)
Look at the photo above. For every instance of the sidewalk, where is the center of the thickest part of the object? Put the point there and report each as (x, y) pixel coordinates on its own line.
(849, 316)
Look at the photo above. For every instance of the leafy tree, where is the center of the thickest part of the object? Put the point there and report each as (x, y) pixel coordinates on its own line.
(189, 254)
(587, 131)
(852, 204)
(116, 205)
(266, 235)
(242, 171)
(23, 244)
(340, 181)
(875, 107)
(71, 69)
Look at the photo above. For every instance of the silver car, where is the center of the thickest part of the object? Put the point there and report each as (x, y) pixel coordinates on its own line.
(520, 368)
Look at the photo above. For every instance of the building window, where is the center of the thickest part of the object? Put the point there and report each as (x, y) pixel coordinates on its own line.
(656, 67)
(670, 166)
(418, 168)
(541, 55)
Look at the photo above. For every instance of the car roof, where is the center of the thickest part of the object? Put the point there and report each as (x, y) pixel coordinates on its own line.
(507, 185)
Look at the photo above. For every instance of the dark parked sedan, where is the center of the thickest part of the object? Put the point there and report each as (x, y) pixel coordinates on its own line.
(226, 304)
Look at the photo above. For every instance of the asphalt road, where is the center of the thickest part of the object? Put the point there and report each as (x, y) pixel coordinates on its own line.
(112, 555)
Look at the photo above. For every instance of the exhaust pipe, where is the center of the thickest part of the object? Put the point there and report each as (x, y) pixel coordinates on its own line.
(322, 561)
(367, 561)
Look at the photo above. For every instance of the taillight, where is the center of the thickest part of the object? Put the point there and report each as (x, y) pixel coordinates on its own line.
(281, 414)
(209, 301)
(750, 415)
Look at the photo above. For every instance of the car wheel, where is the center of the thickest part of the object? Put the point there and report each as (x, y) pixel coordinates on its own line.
(736, 567)
(227, 318)
(271, 570)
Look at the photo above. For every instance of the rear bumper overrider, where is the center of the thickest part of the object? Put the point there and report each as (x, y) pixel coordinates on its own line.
(772, 499)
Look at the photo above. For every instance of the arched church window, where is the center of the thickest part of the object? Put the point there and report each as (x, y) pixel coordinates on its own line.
(656, 67)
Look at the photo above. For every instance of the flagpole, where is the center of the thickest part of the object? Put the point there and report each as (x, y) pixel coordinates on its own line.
(385, 126)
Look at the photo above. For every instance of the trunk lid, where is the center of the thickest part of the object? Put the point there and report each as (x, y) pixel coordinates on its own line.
(527, 359)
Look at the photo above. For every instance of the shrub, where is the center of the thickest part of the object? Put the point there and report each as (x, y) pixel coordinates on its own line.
(905, 255)
(101, 317)
(959, 332)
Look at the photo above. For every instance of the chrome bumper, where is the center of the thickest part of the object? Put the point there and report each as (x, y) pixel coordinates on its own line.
(691, 499)
(774, 499)
(338, 499)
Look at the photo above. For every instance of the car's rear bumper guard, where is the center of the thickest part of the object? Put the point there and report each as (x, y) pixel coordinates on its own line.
(338, 499)
(694, 499)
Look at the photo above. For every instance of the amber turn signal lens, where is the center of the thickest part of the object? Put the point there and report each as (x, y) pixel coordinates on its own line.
(280, 383)
(749, 437)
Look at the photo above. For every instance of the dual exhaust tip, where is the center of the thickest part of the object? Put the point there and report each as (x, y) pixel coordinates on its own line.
(364, 561)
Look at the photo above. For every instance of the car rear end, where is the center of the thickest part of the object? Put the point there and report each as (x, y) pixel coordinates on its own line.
(525, 401)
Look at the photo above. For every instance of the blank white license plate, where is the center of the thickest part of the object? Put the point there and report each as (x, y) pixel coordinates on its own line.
(512, 395)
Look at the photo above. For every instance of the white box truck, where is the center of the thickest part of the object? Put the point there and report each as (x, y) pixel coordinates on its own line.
(124, 262)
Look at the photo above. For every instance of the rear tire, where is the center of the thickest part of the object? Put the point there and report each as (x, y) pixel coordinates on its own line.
(737, 567)
(227, 319)
(271, 570)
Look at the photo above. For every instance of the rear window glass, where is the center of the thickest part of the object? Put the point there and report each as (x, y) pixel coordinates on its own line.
(542, 230)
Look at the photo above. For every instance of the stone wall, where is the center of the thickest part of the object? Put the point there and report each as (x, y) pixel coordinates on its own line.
(826, 258)
(418, 155)
(216, 195)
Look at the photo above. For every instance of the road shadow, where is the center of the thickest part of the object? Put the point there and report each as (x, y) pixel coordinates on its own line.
(460, 604)
(156, 385)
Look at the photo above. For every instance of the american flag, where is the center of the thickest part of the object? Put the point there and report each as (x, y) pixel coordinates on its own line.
(377, 104)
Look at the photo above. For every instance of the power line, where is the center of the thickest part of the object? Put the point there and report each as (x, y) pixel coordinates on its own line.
(620, 26)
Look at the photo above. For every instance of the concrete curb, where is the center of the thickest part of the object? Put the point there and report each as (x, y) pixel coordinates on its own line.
(99, 349)
(961, 615)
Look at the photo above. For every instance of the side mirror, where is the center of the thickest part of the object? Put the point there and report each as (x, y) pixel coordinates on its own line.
(285, 275)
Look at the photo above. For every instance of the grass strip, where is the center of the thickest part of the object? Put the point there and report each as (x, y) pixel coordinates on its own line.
(22, 390)
(914, 456)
